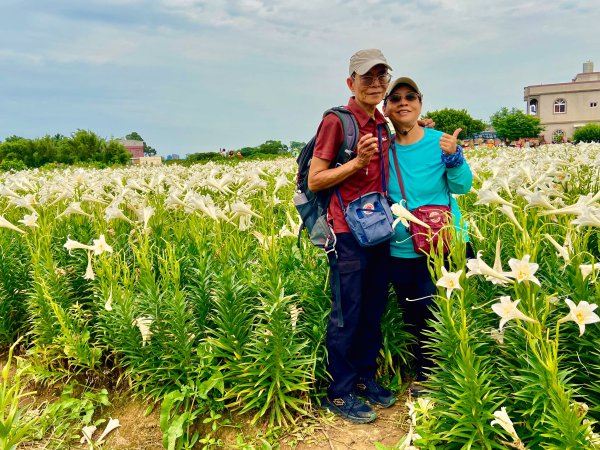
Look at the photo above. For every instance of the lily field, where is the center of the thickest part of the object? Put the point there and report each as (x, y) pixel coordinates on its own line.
(186, 286)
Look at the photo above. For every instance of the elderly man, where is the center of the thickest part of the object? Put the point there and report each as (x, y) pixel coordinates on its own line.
(363, 280)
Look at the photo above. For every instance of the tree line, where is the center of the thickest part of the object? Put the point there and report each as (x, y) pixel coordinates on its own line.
(86, 147)
(82, 147)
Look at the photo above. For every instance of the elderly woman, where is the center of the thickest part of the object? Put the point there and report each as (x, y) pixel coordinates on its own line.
(432, 167)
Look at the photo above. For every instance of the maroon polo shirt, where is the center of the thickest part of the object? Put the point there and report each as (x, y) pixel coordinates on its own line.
(329, 140)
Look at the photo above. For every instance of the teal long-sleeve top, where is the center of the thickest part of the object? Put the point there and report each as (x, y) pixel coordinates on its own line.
(427, 181)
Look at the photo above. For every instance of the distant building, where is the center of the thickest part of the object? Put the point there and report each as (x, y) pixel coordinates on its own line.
(148, 161)
(172, 157)
(486, 137)
(136, 148)
(564, 107)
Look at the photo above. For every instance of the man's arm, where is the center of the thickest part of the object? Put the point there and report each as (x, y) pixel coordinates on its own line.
(320, 176)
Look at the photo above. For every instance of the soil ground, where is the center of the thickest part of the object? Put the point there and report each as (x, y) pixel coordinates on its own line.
(321, 431)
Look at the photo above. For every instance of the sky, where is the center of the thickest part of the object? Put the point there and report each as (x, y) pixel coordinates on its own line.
(197, 75)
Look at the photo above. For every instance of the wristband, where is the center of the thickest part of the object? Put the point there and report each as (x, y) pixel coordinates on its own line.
(454, 160)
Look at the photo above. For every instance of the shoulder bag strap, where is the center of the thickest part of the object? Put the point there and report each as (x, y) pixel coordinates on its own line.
(398, 173)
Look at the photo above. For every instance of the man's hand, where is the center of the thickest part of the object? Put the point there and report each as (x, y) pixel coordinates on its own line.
(367, 145)
(448, 142)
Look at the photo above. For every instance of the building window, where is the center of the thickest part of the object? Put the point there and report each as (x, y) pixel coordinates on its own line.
(560, 106)
(558, 136)
(593, 104)
(533, 106)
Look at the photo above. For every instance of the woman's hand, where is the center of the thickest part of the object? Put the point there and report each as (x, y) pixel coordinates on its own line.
(448, 142)
(426, 123)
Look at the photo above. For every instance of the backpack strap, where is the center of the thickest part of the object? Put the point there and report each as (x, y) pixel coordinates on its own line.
(350, 132)
(345, 153)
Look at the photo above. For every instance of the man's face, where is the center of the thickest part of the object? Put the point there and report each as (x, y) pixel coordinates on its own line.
(403, 106)
(369, 89)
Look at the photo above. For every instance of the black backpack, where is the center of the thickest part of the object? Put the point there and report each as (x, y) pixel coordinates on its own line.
(312, 206)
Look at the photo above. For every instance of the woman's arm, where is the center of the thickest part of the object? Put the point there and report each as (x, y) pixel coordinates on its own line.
(459, 178)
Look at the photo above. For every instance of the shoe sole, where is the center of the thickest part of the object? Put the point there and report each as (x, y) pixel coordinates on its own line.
(343, 415)
(382, 405)
(374, 403)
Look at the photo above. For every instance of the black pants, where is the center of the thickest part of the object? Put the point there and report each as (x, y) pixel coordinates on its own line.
(352, 349)
(415, 289)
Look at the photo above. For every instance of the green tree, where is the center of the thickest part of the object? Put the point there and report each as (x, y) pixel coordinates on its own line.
(296, 145)
(448, 120)
(13, 138)
(268, 147)
(514, 124)
(272, 147)
(587, 133)
(134, 136)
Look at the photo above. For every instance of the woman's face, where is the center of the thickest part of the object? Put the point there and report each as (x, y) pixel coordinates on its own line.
(403, 106)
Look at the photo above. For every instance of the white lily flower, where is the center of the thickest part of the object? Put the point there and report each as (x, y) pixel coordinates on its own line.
(294, 225)
(218, 185)
(475, 229)
(404, 215)
(498, 336)
(73, 208)
(143, 323)
(593, 199)
(89, 271)
(582, 314)
(412, 411)
(92, 199)
(26, 202)
(87, 433)
(112, 425)
(108, 304)
(478, 266)
(113, 212)
(450, 280)
(30, 220)
(508, 211)
(502, 419)
(507, 310)
(587, 269)
(538, 200)
(74, 245)
(173, 200)
(576, 208)
(523, 270)
(285, 232)
(562, 251)
(100, 246)
(587, 216)
(145, 215)
(489, 197)
(265, 241)
(240, 209)
(6, 224)
(280, 181)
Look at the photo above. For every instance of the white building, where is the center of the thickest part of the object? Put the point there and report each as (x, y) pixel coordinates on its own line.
(564, 107)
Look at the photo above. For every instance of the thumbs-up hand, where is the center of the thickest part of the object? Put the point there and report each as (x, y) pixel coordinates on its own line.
(448, 142)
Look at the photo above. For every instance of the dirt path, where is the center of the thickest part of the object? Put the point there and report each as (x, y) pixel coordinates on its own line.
(140, 430)
(337, 434)
(322, 432)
